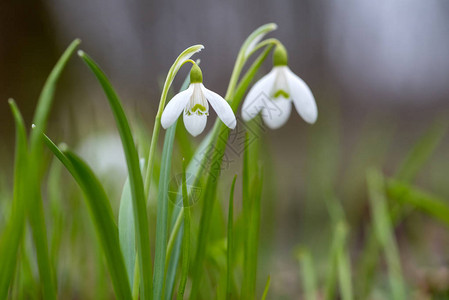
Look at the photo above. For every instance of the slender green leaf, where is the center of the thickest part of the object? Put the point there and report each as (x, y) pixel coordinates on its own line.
(101, 214)
(250, 263)
(194, 169)
(344, 266)
(384, 232)
(338, 240)
(308, 275)
(135, 177)
(407, 171)
(230, 239)
(422, 150)
(162, 214)
(47, 94)
(430, 204)
(35, 206)
(186, 236)
(126, 231)
(13, 233)
(267, 287)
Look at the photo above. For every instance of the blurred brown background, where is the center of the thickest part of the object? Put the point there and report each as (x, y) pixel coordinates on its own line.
(389, 54)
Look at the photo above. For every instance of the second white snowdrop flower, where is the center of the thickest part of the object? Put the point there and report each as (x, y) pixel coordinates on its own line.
(193, 103)
(273, 94)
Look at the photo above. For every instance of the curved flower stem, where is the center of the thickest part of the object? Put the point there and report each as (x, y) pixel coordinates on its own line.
(245, 52)
(183, 58)
(270, 41)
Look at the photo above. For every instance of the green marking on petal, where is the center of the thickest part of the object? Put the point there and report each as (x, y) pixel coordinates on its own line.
(282, 93)
(198, 107)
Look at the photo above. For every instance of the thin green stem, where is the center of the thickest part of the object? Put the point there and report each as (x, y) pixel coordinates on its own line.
(186, 236)
(230, 246)
(179, 62)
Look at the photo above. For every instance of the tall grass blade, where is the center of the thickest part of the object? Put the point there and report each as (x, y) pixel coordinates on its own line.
(407, 171)
(102, 216)
(230, 245)
(13, 233)
(126, 230)
(421, 151)
(135, 178)
(267, 287)
(384, 232)
(344, 267)
(430, 204)
(162, 214)
(250, 263)
(186, 236)
(35, 206)
(308, 275)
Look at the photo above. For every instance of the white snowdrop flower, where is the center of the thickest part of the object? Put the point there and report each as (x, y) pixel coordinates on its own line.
(273, 94)
(194, 104)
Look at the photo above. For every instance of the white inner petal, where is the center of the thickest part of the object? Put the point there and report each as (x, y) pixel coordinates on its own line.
(197, 104)
(280, 85)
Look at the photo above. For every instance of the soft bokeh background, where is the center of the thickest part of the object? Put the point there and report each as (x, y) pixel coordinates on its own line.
(379, 71)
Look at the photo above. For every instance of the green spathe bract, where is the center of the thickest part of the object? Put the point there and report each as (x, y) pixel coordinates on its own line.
(280, 57)
(196, 76)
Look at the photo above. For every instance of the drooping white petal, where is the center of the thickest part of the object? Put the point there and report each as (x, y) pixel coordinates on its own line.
(302, 97)
(258, 94)
(275, 113)
(194, 123)
(221, 107)
(175, 107)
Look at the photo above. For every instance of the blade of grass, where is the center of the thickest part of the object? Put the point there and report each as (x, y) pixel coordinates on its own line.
(127, 231)
(13, 233)
(344, 267)
(384, 232)
(35, 206)
(250, 263)
(267, 287)
(422, 151)
(430, 204)
(162, 215)
(308, 275)
(135, 178)
(338, 241)
(230, 240)
(185, 238)
(194, 169)
(101, 214)
(407, 171)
